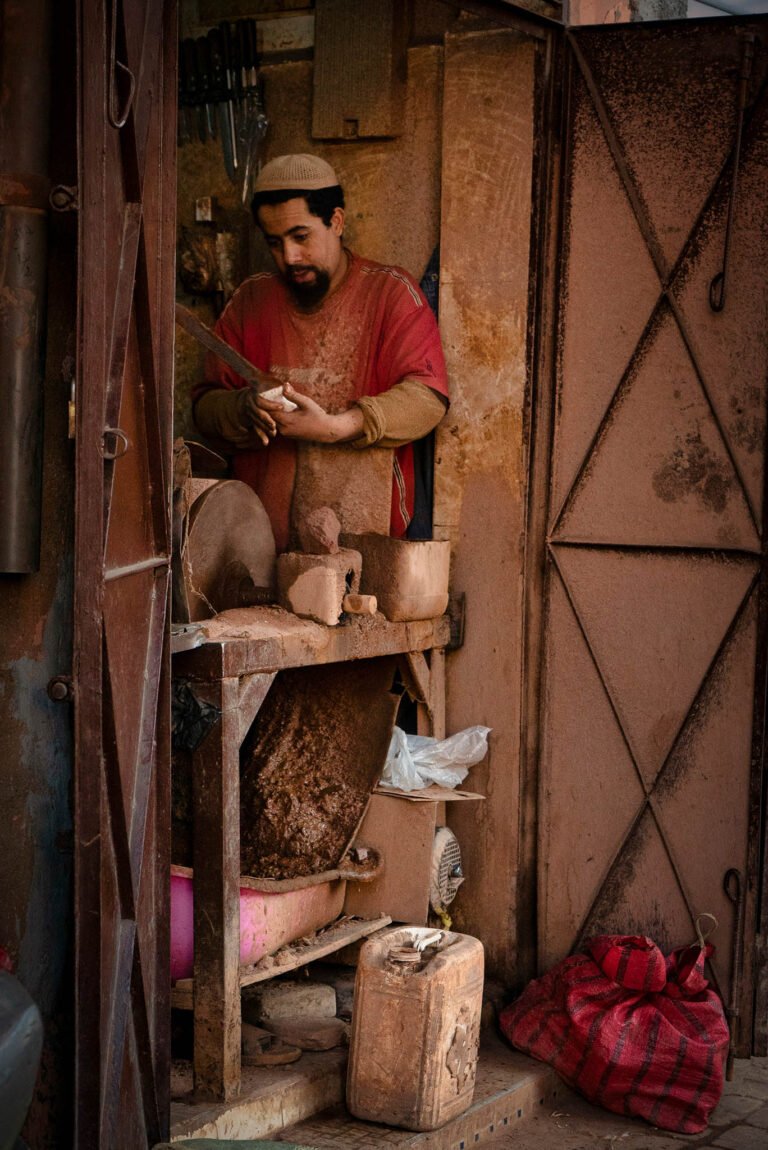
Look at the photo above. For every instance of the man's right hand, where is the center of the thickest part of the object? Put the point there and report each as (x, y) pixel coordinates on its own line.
(257, 412)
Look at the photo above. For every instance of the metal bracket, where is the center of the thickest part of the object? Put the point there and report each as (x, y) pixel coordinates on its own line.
(457, 609)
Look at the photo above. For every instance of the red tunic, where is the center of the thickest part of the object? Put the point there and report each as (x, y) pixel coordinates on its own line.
(375, 330)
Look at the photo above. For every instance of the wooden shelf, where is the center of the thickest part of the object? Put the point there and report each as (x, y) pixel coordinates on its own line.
(231, 661)
(291, 956)
(267, 639)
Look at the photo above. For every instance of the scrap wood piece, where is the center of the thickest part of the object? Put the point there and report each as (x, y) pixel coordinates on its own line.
(339, 934)
(278, 1054)
(295, 954)
(310, 1033)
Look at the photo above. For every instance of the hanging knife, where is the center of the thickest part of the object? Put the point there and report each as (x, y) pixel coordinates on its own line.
(193, 87)
(254, 123)
(228, 53)
(184, 130)
(218, 93)
(205, 81)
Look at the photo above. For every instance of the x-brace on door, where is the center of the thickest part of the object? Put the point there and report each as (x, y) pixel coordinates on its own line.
(654, 670)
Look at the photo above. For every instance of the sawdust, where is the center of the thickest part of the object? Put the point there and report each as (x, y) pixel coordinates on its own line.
(309, 764)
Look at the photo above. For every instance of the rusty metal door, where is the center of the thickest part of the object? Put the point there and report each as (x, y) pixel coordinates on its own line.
(649, 790)
(126, 192)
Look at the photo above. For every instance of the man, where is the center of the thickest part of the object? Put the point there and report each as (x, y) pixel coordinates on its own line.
(353, 344)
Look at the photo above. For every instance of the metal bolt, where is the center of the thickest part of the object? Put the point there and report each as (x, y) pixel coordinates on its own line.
(60, 689)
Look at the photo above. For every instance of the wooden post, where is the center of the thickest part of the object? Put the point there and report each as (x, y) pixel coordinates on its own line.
(216, 791)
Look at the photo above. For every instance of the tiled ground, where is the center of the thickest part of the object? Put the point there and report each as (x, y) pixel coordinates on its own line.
(548, 1116)
(510, 1088)
(740, 1122)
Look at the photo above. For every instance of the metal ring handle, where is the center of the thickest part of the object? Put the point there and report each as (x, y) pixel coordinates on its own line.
(120, 448)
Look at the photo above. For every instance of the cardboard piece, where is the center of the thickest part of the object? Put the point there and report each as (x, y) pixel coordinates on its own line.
(430, 794)
(401, 826)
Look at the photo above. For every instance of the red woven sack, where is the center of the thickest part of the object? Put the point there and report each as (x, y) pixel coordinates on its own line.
(631, 1031)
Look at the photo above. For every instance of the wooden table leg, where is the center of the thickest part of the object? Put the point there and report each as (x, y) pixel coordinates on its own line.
(216, 791)
(437, 691)
(426, 683)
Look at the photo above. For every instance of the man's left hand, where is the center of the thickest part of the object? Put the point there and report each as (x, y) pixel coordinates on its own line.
(311, 422)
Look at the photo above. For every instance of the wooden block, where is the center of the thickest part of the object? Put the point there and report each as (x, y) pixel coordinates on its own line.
(360, 604)
(314, 586)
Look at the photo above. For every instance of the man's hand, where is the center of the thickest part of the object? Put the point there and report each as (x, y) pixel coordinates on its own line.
(258, 413)
(311, 422)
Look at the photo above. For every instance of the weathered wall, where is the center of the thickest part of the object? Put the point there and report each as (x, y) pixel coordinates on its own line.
(481, 458)
(35, 644)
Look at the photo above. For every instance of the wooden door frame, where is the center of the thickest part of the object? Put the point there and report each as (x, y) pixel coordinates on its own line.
(101, 1027)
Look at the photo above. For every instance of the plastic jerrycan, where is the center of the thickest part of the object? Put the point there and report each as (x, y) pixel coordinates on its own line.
(415, 1027)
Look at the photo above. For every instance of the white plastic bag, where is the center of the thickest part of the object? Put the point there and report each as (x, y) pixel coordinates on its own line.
(415, 761)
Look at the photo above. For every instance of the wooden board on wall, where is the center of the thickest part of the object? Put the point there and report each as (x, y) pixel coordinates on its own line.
(488, 141)
(360, 69)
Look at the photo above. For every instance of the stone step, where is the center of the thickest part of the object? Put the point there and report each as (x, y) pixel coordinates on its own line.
(304, 1103)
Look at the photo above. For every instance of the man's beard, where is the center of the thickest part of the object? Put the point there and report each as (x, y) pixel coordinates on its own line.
(308, 294)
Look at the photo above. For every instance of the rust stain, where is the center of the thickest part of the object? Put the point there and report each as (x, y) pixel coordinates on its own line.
(683, 758)
(692, 469)
(747, 424)
(613, 911)
(686, 754)
(10, 187)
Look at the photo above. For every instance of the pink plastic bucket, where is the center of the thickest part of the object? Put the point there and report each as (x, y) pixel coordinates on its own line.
(268, 920)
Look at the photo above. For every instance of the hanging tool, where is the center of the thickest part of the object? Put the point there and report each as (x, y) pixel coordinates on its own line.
(204, 83)
(228, 53)
(253, 123)
(185, 113)
(191, 90)
(218, 93)
(214, 343)
(718, 284)
(733, 885)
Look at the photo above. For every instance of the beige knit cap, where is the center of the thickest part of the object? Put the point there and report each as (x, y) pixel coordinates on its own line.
(303, 172)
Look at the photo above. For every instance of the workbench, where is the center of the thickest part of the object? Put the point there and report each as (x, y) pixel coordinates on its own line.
(230, 663)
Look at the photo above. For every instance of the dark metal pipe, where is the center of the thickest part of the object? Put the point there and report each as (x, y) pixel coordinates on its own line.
(24, 119)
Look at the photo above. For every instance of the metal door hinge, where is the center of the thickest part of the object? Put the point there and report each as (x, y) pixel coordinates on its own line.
(457, 608)
(71, 412)
(68, 376)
